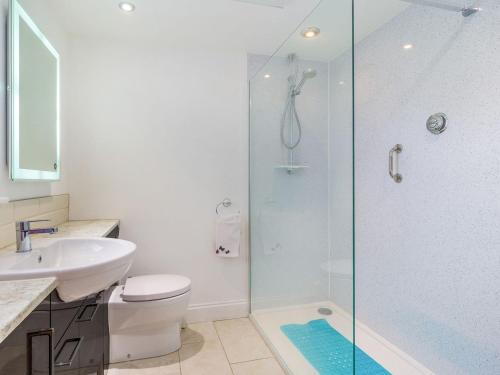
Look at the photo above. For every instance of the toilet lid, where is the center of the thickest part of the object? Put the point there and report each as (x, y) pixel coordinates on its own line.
(154, 287)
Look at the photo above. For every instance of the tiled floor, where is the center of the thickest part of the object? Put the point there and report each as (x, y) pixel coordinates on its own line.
(226, 347)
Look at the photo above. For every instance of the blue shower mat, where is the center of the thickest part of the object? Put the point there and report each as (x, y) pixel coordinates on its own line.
(328, 351)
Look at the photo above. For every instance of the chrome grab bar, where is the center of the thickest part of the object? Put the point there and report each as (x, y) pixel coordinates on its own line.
(397, 177)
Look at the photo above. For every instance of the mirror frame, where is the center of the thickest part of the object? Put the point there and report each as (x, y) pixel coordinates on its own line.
(16, 12)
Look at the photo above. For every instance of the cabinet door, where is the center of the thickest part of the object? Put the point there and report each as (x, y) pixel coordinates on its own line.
(28, 349)
(80, 349)
(91, 326)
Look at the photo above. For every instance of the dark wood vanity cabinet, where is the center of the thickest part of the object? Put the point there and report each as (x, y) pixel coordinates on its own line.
(115, 232)
(58, 338)
(28, 349)
(79, 335)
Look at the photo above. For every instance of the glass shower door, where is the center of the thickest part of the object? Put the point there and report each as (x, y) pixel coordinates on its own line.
(301, 198)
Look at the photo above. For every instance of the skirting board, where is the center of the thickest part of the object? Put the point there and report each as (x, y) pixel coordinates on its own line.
(218, 311)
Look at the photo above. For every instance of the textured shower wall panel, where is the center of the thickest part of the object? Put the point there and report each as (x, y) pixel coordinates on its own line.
(289, 211)
(427, 250)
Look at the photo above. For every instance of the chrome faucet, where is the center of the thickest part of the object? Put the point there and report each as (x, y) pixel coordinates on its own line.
(23, 231)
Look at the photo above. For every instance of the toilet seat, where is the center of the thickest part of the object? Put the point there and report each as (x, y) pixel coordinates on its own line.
(154, 287)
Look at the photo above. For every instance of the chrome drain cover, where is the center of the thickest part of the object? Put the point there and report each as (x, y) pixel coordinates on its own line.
(325, 311)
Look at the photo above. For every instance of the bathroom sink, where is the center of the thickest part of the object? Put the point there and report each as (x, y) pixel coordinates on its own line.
(82, 266)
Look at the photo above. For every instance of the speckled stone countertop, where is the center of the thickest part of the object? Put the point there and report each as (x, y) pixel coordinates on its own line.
(85, 228)
(18, 298)
(72, 229)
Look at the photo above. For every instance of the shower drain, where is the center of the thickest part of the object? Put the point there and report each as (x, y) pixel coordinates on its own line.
(325, 311)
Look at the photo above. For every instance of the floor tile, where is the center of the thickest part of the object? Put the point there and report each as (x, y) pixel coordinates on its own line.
(166, 365)
(204, 358)
(241, 340)
(199, 332)
(268, 366)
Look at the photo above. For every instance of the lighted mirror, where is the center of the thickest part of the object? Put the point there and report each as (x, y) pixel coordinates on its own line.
(33, 100)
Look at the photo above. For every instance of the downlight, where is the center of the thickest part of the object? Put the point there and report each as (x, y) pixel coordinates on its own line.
(126, 7)
(311, 32)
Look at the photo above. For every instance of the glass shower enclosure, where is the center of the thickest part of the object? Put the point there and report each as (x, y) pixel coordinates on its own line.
(374, 179)
(301, 184)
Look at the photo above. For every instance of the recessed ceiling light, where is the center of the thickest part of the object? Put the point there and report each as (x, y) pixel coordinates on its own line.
(127, 7)
(267, 76)
(408, 46)
(341, 83)
(311, 32)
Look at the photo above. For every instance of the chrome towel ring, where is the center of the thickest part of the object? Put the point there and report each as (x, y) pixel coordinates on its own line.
(225, 203)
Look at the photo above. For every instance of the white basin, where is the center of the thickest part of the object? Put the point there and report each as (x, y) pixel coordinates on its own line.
(82, 266)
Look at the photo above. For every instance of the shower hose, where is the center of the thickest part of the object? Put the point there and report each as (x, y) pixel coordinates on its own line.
(290, 114)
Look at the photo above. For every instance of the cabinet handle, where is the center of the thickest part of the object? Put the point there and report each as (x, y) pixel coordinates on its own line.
(30, 335)
(396, 150)
(76, 345)
(84, 317)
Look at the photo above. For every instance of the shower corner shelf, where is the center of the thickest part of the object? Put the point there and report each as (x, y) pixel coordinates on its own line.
(291, 168)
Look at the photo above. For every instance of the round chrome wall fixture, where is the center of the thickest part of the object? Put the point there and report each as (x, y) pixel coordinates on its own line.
(437, 123)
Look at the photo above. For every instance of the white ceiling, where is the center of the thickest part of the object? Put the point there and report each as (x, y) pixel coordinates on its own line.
(334, 18)
(227, 24)
(215, 24)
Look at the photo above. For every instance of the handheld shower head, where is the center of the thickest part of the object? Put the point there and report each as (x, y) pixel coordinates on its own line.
(307, 74)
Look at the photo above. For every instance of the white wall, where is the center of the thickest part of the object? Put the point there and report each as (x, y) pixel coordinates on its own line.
(158, 138)
(52, 30)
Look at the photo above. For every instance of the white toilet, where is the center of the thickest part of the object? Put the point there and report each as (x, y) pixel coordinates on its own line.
(145, 316)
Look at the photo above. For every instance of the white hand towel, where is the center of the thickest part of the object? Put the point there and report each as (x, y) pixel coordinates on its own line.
(227, 235)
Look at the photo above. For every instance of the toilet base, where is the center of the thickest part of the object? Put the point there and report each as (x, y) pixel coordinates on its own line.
(139, 344)
(144, 329)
